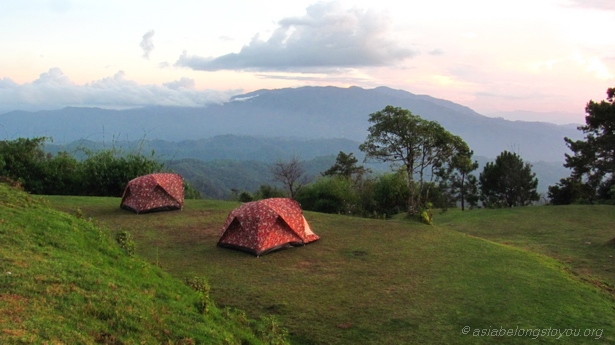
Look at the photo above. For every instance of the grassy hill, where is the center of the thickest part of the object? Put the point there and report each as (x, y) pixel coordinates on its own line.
(63, 280)
(478, 277)
(580, 236)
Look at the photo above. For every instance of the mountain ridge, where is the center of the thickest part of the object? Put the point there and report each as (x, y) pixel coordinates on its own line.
(306, 112)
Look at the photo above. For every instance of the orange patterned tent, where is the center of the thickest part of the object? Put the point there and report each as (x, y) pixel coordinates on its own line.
(262, 226)
(154, 192)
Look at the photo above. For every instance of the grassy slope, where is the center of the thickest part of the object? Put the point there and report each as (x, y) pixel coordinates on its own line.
(577, 235)
(63, 281)
(377, 282)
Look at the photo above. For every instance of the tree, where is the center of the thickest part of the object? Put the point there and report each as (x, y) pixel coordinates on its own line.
(457, 181)
(266, 191)
(346, 166)
(569, 190)
(22, 160)
(291, 174)
(421, 146)
(593, 159)
(508, 182)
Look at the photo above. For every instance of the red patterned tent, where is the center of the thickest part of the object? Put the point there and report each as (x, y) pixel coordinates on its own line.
(262, 226)
(154, 192)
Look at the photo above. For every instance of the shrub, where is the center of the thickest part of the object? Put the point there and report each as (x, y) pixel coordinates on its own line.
(125, 241)
(330, 195)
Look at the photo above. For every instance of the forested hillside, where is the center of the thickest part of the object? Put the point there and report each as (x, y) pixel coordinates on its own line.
(218, 165)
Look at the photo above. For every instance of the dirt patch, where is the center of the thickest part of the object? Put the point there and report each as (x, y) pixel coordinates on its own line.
(12, 308)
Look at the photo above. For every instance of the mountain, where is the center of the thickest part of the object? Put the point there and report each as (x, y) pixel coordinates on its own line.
(305, 112)
(221, 147)
(562, 118)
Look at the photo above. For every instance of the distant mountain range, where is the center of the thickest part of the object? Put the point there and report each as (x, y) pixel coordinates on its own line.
(305, 112)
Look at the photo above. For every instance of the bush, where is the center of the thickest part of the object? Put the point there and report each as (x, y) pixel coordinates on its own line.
(266, 191)
(105, 173)
(101, 173)
(245, 197)
(329, 195)
(390, 194)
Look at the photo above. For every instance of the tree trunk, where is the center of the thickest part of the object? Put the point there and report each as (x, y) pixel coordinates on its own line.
(462, 193)
(411, 202)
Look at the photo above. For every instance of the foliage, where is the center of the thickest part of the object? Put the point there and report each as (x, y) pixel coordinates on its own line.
(102, 173)
(201, 286)
(420, 146)
(390, 194)
(457, 180)
(105, 173)
(569, 191)
(271, 331)
(124, 240)
(330, 195)
(427, 214)
(593, 159)
(61, 176)
(190, 192)
(266, 191)
(346, 166)
(22, 160)
(508, 182)
(436, 196)
(245, 197)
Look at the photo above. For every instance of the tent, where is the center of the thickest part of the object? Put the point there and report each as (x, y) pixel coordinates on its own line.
(154, 192)
(259, 227)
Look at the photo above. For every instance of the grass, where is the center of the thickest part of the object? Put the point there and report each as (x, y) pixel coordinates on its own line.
(577, 235)
(396, 282)
(63, 280)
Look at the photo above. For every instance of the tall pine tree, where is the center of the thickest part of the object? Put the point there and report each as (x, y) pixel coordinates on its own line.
(508, 182)
(593, 159)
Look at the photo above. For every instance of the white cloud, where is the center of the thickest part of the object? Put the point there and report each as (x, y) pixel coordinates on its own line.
(147, 44)
(183, 83)
(608, 5)
(54, 90)
(328, 37)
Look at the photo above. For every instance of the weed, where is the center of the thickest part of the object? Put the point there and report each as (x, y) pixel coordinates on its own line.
(124, 239)
(270, 331)
(201, 286)
(427, 214)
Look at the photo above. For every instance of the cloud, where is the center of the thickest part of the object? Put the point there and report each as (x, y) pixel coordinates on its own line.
(146, 44)
(608, 5)
(53, 90)
(331, 80)
(328, 37)
(436, 52)
(183, 83)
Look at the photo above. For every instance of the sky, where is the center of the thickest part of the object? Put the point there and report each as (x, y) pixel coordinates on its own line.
(533, 60)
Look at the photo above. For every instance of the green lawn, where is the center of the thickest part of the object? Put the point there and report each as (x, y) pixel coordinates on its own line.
(398, 282)
(64, 280)
(577, 235)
